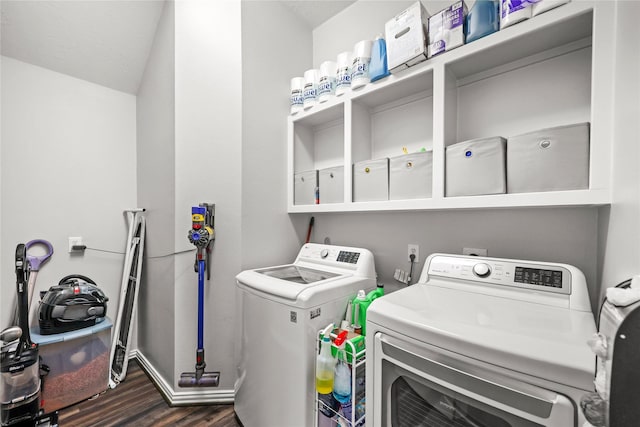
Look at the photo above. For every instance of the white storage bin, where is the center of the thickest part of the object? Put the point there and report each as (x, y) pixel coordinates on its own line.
(371, 180)
(551, 159)
(410, 176)
(476, 167)
(331, 183)
(305, 186)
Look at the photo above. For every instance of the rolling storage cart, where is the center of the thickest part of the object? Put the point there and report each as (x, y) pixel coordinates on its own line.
(327, 414)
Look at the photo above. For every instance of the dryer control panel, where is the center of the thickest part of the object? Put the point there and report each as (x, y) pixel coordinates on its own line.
(548, 283)
(554, 278)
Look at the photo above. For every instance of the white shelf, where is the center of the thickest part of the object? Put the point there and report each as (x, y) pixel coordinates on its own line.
(519, 200)
(563, 58)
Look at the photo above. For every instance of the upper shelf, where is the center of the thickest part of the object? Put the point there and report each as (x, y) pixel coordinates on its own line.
(573, 27)
(569, 23)
(564, 25)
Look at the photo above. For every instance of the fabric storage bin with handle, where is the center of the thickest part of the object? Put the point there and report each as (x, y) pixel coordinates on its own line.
(305, 186)
(331, 183)
(410, 176)
(371, 180)
(551, 159)
(476, 167)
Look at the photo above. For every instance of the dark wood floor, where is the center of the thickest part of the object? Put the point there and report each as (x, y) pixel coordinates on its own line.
(137, 402)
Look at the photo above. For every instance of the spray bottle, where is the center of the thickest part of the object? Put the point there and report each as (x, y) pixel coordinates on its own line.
(342, 378)
(325, 363)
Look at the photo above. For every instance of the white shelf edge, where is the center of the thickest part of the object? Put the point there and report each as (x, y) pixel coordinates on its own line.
(569, 198)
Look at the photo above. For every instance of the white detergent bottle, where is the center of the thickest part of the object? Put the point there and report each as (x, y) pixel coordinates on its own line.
(342, 378)
(325, 364)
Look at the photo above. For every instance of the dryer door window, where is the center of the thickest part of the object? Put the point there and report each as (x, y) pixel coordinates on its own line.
(420, 388)
(415, 403)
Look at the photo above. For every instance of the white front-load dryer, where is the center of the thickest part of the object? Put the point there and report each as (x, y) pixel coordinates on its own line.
(481, 342)
(279, 312)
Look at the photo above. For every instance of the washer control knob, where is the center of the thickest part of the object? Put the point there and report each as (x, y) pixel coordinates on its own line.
(482, 270)
(324, 253)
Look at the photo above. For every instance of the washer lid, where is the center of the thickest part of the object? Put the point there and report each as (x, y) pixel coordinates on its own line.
(297, 274)
(534, 339)
(288, 281)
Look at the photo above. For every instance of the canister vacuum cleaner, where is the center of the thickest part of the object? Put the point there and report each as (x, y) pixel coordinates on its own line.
(202, 235)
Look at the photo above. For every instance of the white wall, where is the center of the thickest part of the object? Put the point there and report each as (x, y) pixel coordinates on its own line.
(549, 234)
(273, 35)
(620, 224)
(68, 169)
(208, 126)
(156, 193)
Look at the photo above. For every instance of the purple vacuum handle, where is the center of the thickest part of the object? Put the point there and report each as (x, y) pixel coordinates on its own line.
(36, 261)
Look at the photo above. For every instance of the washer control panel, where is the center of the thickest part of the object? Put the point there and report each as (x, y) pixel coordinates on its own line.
(345, 258)
(544, 277)
(332, 254)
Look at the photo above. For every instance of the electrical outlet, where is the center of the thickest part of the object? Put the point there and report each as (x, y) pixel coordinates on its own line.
(474, 251)
(74, 241)
(415, 250)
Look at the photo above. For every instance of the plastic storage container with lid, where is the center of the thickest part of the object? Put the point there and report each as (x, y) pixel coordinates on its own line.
(78, 364)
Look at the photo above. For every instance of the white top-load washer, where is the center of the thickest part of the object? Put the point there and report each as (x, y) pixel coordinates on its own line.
(481, 342)
(280, 311)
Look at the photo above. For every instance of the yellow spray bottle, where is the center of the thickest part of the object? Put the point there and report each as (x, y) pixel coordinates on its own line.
(325, 363)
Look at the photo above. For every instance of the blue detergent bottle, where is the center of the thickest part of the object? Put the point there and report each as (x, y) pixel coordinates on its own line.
(378, 67)
(483, 19)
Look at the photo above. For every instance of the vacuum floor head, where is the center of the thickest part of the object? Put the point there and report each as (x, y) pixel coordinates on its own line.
(207, 379)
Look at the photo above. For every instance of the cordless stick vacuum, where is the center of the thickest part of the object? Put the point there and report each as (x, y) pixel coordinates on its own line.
(202, 235)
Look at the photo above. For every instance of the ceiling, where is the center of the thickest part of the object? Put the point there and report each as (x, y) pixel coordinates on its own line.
(315, 12)
(102, 41)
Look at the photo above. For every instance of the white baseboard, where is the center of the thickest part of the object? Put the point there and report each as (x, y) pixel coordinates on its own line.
(191, 396)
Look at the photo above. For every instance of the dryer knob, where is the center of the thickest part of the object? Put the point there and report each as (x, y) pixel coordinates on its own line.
(482, 269)
(324, 253)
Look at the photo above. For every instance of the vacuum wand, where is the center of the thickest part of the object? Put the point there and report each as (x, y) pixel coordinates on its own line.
(202, 236)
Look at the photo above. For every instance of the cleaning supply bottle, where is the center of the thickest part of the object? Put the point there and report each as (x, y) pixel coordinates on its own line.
(360, 64)
(342, 378)
(482, 20)
(378, 66)
(325, 363)
(376, 293)
(360, 306)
